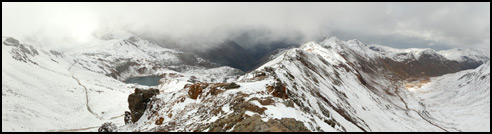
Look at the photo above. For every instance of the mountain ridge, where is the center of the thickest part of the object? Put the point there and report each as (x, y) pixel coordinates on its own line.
(325, 87)
(331, 85)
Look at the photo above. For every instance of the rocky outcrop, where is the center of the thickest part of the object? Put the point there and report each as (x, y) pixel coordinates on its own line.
(230, 85)
(215, 88)
(247, 106)
(195, 89)
(9, 41)
(159, 121)
(245, 123)
(21, 52)
(107, 127)
(137, 102)
(278, 90)
(128, 117)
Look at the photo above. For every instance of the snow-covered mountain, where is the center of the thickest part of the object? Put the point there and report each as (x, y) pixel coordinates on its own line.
(49, 90)
(462, 55)
(412, 62)
(133, 56)
(331, 85)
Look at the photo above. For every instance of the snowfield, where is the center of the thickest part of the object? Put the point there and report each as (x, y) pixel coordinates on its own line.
(458, 101)
(46, 97)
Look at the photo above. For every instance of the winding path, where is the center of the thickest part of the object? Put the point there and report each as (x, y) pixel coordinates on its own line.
(420, 114)
(74, 130)
(86, 94)
(86, 105)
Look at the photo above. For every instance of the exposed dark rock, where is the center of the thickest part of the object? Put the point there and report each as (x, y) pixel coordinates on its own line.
(287, 125)
(170, 115)
(268, 69)
(278, 90)
(107, 127)
(288, 103)
(181, 99)
(159, 121)
(251, 124)
(193, 79)
(230, 120)
(248, 106)
(244, 123)
(21, 52)
(268, 101)
(195, 89)
(128, 117)
(231, 86)
(137, 102)
(215, 91)
(9, 41)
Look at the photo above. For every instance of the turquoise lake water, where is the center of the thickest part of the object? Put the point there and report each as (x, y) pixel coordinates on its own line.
(146, 80)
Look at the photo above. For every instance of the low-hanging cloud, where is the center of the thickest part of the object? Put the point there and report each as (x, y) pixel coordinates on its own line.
(401, 25)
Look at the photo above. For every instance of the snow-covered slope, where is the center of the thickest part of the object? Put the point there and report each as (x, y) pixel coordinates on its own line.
(460, 101)
(42, 91)
(333, 85)
(463, 55)
(76, 90)
(326, 83)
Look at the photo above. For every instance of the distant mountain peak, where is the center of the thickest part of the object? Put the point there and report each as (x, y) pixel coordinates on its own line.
(329, 41)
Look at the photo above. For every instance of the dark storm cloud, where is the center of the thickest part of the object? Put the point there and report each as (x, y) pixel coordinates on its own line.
(401, 25)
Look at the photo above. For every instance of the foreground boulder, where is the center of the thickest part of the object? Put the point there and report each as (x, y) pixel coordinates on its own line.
(137, 103)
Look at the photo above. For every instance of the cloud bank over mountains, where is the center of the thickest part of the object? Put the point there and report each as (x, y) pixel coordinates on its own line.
(401, 25)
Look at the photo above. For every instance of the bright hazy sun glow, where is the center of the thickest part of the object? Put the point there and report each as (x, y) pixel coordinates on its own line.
(78, 23)
(82, 29)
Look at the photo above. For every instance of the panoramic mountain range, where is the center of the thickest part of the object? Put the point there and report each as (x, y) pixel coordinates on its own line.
(327, 85)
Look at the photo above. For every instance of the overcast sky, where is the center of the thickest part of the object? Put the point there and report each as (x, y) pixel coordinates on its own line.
(401, 25)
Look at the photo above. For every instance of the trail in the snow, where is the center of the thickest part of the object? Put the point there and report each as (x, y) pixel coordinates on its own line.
(86, 95)
(87, 106)
(74, 130)
(420, 114)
